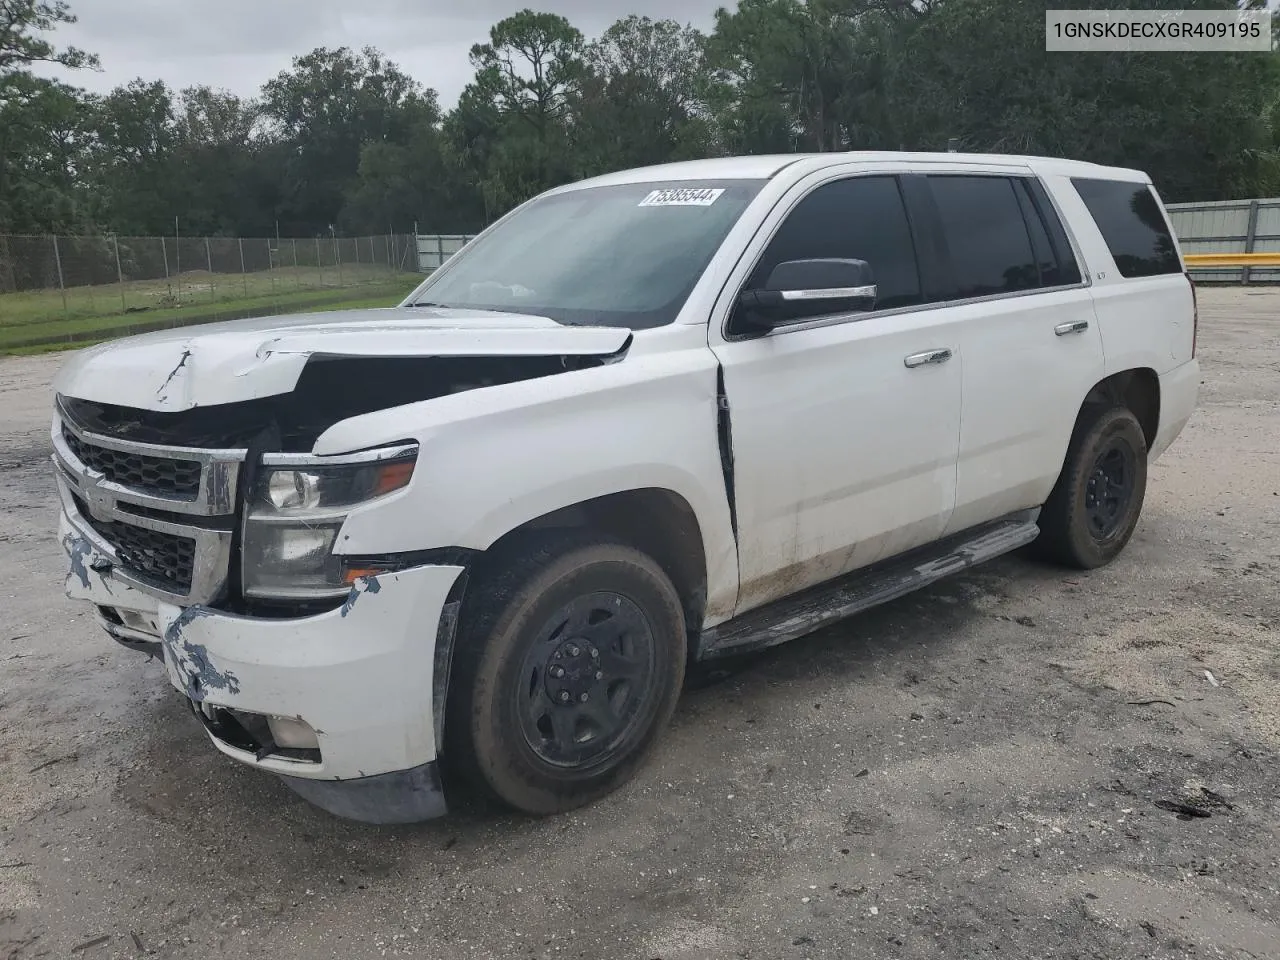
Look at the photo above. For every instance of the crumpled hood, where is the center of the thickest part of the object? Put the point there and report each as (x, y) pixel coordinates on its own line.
(175, 370)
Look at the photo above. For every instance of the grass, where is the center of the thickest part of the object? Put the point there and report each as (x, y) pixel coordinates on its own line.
(38, 321)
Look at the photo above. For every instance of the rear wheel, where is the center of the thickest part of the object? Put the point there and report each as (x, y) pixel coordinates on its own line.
(570, 662)
(1095, 505)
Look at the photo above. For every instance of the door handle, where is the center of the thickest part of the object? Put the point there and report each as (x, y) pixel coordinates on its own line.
(1074, 326)
(928, 356)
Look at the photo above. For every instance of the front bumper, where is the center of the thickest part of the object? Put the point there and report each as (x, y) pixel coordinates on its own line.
(361, 677)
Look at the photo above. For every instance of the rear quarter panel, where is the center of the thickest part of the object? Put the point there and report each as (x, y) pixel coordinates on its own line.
(1145, 322)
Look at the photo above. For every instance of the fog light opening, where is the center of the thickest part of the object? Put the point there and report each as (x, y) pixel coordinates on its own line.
(292, 734)
(263, 736)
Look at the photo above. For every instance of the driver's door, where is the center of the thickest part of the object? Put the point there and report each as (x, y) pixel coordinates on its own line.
(844, 442)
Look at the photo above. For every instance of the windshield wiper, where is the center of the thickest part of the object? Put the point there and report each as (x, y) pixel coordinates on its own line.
(426, 303)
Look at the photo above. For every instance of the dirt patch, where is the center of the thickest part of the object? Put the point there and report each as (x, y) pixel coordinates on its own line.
(1191, 656)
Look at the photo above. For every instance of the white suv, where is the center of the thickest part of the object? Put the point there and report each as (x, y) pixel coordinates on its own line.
(660, 416)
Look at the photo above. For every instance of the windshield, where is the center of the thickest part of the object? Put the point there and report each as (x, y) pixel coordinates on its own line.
(619, 256)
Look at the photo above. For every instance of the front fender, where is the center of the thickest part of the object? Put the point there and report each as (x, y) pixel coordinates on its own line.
(496, 458)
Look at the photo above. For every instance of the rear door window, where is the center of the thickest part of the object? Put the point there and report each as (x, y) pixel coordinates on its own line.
(1132, 225)
(986, 235)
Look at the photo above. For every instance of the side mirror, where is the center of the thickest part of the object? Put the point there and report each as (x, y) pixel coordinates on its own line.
(808, 288)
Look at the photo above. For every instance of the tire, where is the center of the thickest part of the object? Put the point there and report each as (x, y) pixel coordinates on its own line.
(570, 660)
(1107, 456)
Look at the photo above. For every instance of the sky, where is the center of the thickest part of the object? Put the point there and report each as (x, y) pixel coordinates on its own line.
(239, 44)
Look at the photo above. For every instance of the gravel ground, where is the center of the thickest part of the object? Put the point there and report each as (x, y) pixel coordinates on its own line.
(982, 769)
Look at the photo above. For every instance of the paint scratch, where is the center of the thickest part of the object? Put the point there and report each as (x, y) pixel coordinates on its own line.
(192, 659)
(186, 355)
(362, 585)
(77, 549)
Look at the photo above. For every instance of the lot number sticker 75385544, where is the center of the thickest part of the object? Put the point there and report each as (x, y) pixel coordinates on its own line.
(682, 197)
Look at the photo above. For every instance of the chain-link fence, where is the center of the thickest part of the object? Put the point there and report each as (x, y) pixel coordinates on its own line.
(69, 288)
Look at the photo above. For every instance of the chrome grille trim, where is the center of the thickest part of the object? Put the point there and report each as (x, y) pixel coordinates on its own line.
(212, 554)
(157, 476)
(219, 470)
(108, 502)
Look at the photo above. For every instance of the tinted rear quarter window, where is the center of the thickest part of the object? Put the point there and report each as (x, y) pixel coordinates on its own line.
(1132, 225)
(986, 235)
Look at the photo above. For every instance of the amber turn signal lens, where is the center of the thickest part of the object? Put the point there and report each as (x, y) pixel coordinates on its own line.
(355, 573)
(393, 476)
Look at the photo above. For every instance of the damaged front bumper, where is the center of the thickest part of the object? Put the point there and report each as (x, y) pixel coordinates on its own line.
(341, 704)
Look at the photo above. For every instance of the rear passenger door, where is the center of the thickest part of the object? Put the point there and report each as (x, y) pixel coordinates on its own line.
(1030, 341)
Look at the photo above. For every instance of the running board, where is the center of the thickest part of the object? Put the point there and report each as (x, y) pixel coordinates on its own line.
(852, 593)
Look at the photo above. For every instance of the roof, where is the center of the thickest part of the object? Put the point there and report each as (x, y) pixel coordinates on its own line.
(717, 168)
(766, 167)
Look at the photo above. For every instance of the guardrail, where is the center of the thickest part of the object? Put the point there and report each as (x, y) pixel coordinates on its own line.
(1221, 240)
(1232, 259)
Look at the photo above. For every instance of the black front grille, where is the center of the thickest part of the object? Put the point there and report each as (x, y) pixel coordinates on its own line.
(178, 479)
(164, 558)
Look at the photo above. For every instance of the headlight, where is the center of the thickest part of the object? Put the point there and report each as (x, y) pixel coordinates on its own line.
(295, 511)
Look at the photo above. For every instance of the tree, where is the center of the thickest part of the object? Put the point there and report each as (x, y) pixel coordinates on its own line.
(530, 67)
(641, 99)
(22, 22)
(347, 139)
(413, 180)
(41, 121)
(229, 182)
(43, 136)
(781, 67)
(131, 159)
(513, 119)
(1196, 122)
(327, 108)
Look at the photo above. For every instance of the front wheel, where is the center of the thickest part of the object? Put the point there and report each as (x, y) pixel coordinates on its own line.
(1095, 505)
(570, 662)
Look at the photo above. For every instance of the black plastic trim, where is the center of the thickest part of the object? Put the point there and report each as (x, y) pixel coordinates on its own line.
(933, 258)
(403, 796)
(724, 436)
(442, 665)
(1068, 266)
(435, 557)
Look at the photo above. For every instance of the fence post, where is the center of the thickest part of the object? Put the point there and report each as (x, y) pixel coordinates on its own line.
(271, 266)
(164, 249)
(208, 259)
(439, 252)
(337, 256)
(318, 266)
(297, 274)
(124, 307)
(57, 258)
(1250, 236)
(9, 276)
(177, 258)
(244, 275)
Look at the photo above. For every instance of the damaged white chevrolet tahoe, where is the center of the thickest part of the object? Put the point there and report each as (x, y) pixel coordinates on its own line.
(656, 417)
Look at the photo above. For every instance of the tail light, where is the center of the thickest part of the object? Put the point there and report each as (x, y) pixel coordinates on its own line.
(1195, 315)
